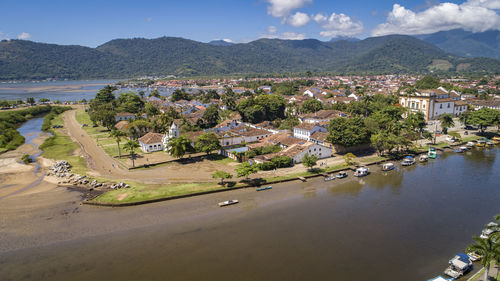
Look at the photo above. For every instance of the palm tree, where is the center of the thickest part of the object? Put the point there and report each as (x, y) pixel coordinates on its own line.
(446, 122)
(117, 134)
(488, 249)
(131, 146)
(177, 147)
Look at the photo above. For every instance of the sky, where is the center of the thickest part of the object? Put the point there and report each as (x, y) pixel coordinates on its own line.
(94, 22)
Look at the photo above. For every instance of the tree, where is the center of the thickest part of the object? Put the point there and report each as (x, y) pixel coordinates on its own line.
(151, 110)
(428, 82)
(415, 121)
(309, 160)
(348, 131)
(103, 114)
(117, 135)
(105, 95)
(179, 95)
(245, 169)
(210, 116)
(140, 127)
(129, 102)
(464, 118)
(30, 101)
(446, 122)
(349, 159)
(311, 106)
(207, 143)
(484, 117)
(153, 93)
(488, 249)
(178, 147)
(221, 175)
(131, 146)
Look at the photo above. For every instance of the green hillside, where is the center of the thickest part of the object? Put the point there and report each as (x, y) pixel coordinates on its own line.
(124, 58)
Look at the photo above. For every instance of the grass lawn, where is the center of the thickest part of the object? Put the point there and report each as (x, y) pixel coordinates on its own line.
(61, 147)
(101, 135)
(140, 192)
(373, 159)
(225, 161)
(470, 138)
(306, 174)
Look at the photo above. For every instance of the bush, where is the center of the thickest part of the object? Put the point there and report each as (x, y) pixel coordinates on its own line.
(275, 163)
(26, 159)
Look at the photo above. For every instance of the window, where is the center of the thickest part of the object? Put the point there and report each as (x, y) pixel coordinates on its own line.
(448, 105)
(423, 105)
(441, 106)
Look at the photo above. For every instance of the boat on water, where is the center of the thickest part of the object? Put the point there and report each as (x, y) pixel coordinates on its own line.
(471, 144)
(432, 152)
(263, 188)
(474, 257)
(330, 177)
(341, 175)
(408, 161)
(361, 172)
(423, 158)
(459, 265)
(461, 149)
(490, 143)
(481, 143)
(491, 228)
(388, 167)
(228, 202)
(496, 140)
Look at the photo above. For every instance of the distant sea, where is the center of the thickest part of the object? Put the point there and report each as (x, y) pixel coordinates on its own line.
(53, 90)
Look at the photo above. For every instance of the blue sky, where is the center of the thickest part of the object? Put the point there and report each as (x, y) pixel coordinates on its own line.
(91, 22)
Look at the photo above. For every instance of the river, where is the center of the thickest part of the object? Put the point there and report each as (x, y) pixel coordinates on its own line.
(399, 225)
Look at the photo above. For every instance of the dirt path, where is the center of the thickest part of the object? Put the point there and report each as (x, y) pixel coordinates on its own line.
(101, 164)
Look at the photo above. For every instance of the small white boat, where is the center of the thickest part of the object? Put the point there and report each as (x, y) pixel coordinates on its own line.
(388, 167)
(474, 257)
(423, 158)
(408, 161)
(490, 229)
(459, 265)
(361, 172)
(228, 202)
(330, 177)
(341, 175)
(470, 144)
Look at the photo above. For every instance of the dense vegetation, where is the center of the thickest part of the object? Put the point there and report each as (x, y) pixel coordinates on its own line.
(120, 58)
(9, 121)
(465, 43)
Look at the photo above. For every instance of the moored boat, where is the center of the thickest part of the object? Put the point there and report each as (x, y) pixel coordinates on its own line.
(408, 161)
(474, 256)
(423, 158)
(388, 167)
(480, 143)
(330, 177)
(263, 188)
(461, 149)
(341, 175)
(432, 152)
(440, 278)
(361, 172)
(471, 144)
(496, 140)
(228, 202)
(459, 265)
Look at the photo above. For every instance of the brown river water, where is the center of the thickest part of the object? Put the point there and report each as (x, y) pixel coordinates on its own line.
(399, 225)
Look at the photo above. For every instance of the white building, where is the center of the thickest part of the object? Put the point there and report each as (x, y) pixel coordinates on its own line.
(297, 151)
(151, 142)
(173, 132)
(305, 130)
(432, 103)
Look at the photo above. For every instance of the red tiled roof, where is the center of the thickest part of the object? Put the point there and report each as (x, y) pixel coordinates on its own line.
(151, 138)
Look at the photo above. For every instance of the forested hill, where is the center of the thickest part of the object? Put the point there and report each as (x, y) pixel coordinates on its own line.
(123, 58)
(465, 43)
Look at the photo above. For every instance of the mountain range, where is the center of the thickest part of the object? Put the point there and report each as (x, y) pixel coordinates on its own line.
(465, 43)
(125, 58)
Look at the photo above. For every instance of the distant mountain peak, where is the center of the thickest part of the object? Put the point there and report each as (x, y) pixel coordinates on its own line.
(221, 42)
(344, 38)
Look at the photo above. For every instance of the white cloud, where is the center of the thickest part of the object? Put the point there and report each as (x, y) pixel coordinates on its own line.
(227, 40)
(282, 8)
(473, 15)
(3, 36)
(338, 25)
(272, 29)
(298, 19)
(24, 36)
(489, 4)
(285, 36)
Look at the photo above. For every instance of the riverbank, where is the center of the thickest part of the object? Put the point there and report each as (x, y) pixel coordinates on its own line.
(296, 231)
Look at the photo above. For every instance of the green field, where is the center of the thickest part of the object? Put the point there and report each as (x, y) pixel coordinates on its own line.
(61, 147)
(141, 192)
